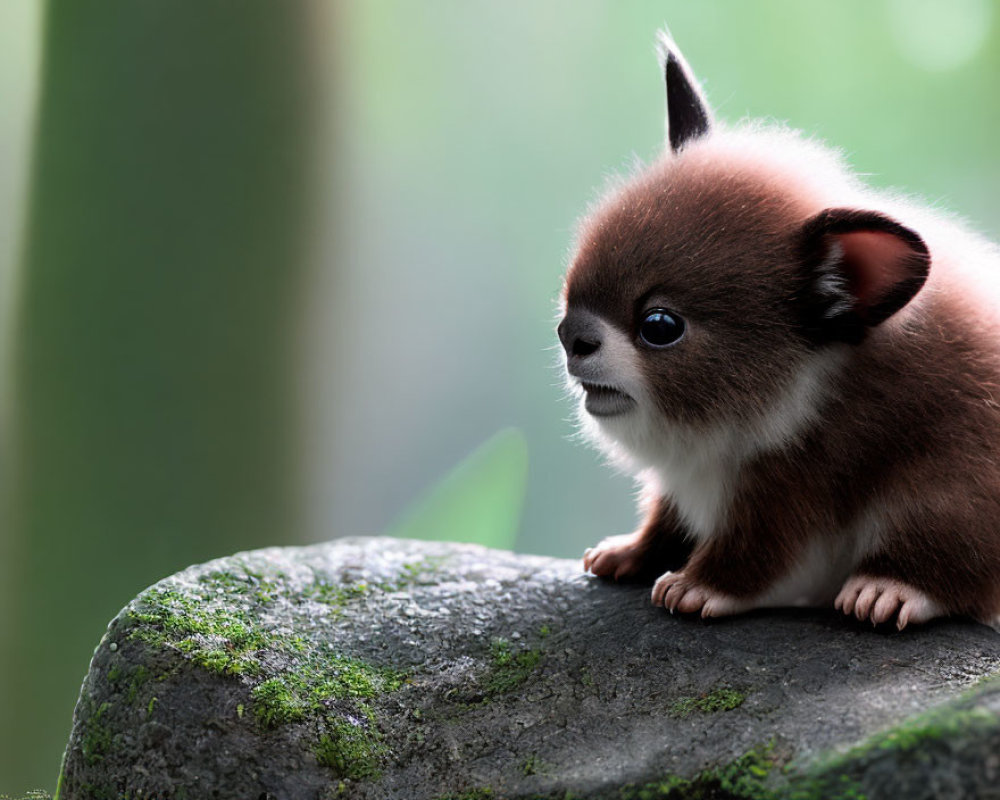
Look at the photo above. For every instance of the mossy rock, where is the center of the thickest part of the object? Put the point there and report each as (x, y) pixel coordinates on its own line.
(380, 668)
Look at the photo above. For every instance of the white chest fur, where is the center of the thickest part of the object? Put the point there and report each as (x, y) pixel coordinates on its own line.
(699, 473)
(698, 467)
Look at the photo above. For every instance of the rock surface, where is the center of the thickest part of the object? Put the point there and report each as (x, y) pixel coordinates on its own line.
(378, 668)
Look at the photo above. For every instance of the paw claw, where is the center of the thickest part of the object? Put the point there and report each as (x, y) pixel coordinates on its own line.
(865, 601)
(847, 597)
(885, 607)
(673, 596)
(692, 601)
(616, 557)
(659, 589)
(679, 594)
(878, 600)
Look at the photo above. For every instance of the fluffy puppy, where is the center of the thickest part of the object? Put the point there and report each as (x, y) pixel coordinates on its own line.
(804, 374)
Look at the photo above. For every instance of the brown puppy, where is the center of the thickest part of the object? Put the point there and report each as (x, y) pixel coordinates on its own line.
(804, 375)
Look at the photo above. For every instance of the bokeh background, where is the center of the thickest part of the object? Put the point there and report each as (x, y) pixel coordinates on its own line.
(269, 271)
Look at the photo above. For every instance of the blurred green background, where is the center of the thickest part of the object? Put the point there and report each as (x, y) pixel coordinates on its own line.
(268, 271)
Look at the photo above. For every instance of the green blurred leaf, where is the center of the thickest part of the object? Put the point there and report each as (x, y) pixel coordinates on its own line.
(478, 502)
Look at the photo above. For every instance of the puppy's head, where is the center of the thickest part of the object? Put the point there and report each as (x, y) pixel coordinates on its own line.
(715, 289)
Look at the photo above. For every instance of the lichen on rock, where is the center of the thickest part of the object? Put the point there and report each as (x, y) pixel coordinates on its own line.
(376, 668)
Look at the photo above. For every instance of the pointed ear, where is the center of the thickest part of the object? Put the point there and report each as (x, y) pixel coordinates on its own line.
(688, 116)
(861, 268)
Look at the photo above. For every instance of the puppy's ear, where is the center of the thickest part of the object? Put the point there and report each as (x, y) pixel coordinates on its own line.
(861, 267)
(688, 116)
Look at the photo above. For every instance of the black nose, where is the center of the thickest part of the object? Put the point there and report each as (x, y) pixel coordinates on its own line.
(580, 333)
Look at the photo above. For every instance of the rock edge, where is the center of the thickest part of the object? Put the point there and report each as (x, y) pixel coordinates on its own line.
(379, 668)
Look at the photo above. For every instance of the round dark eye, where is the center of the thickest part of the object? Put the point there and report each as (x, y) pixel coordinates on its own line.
(660, 328)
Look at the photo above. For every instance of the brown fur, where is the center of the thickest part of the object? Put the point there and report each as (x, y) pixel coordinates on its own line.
(734, 238)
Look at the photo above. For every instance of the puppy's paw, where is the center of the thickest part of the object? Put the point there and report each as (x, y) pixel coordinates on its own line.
(616, 557)
(675, 591)
(880, 600)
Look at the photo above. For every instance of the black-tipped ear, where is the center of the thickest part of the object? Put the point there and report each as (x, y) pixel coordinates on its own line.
(688, 116)
(861, 268)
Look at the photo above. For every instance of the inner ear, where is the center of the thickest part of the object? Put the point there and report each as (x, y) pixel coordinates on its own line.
(881, 268)
(863, 265)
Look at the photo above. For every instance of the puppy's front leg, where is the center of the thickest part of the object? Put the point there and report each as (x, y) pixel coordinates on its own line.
(658, 545)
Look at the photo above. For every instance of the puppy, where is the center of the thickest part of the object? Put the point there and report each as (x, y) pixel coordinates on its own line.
(804, 375)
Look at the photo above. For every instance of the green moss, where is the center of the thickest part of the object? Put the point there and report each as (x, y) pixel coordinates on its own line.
(480, 793)
(833, 787)
(985, 683)
(249, 582)
(221, 626)
(128, 684)
(140, 677)
(216, 635)
(919, 731)
(296, 694)
(916, 732)
(221, 661)
(220, 636)
(353, 748)
(837, 776)
(509, 668)
(533, 765)
(337, 596)
(96, 741)
(746, 777)
(722, 699)
(274, 703)
(756, 775)
(93, 792)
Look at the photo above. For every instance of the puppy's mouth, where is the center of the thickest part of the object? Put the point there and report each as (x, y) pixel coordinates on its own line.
(606, 401)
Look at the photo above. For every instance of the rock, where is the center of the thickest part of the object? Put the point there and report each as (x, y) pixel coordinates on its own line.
(379, 668)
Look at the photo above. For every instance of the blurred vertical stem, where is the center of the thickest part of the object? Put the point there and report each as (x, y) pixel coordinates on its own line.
(153, 368)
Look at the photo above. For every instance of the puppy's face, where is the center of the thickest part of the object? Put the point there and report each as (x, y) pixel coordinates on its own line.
(706, 293)
(681, 304)
(712, 296)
